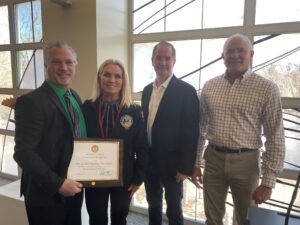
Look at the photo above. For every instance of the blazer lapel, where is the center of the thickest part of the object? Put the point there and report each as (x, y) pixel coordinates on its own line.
(146, 100)
(167, 97)
(54, 98)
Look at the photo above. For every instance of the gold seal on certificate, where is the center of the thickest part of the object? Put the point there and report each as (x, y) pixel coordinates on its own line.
(97, 162)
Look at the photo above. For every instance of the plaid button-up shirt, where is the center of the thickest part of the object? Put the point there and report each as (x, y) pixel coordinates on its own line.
(237, 115)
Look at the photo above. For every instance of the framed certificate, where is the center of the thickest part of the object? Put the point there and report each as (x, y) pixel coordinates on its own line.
(97, 162)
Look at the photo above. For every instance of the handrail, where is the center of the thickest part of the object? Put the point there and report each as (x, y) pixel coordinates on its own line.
(151, 16)
(146, 4)
(166, 14)
(27, 66)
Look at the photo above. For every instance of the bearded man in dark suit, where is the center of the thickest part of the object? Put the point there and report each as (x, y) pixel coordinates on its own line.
(171, 109)
(44, 137)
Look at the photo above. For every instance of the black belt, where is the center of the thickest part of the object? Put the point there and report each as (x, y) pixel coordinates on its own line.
(231, 150)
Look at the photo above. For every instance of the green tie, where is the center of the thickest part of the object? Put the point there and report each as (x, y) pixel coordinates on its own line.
(73, 114)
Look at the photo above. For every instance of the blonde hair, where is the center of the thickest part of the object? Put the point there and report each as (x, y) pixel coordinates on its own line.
(125, 90)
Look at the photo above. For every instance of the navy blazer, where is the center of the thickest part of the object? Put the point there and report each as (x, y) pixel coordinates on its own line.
(43, 144)
(175, 129)
(135, 146)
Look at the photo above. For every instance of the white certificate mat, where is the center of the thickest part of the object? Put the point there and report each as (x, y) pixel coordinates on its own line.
(97, 162)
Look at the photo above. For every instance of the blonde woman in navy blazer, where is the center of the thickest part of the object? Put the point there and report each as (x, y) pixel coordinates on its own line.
(112, 114)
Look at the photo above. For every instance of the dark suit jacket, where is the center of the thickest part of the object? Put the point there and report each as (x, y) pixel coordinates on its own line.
(43, 144)
(175, 129)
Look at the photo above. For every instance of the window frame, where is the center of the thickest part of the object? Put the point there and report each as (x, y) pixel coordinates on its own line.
(13, 48)
(249, 28)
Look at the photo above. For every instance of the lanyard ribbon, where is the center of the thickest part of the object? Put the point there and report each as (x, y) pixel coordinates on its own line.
(101, 118)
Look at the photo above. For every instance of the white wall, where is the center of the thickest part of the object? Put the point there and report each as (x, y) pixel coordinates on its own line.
(97, 30)
(112, 30)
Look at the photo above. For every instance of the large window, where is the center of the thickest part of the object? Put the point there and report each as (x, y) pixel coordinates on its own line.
(198, 29)
(21, 60)
(278, 59)
(173, 15)
(282, 11)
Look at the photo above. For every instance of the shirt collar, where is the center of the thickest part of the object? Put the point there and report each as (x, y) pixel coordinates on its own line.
(60, 91)
(243, 76)
(164, 84)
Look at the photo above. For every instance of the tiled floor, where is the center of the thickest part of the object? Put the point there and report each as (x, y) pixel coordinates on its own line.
(132, 219)
(137, 219)
(4, 181)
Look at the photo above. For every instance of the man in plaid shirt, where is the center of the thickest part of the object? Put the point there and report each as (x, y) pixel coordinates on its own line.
(238, 107)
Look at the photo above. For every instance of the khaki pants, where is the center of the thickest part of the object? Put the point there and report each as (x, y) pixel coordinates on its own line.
(240, 172)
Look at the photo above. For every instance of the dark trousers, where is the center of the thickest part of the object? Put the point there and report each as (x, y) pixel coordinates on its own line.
(154, 185)
(97, 204)
(64, 213)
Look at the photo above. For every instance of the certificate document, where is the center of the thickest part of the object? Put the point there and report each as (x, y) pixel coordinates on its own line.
(97, 162)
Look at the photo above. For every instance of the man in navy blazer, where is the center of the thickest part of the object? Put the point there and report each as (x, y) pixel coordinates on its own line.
(171, 110)
(44, 143)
